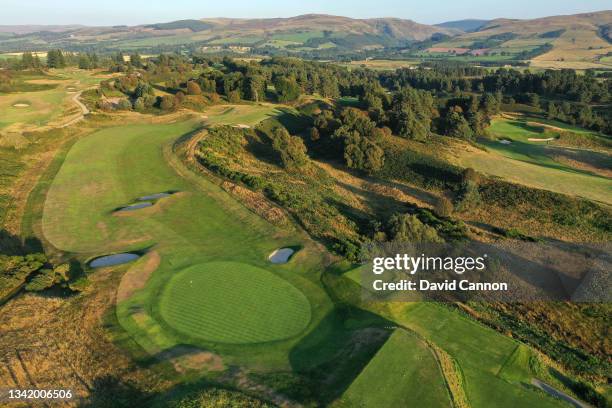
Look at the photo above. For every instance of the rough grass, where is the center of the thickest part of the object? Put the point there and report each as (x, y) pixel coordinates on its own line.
(248, 115)
(404, 372)
(236, 303)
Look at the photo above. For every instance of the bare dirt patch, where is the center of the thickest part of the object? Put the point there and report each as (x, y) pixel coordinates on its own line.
(186, 358)
(137, 276)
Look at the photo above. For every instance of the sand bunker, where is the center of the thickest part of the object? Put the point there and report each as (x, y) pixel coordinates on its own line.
(154, 196)
(71, 89)
(281, 256)
(21, 105)
(135, 206)
(533, 139)
(111, 260)
(241, 126)
(504, 141)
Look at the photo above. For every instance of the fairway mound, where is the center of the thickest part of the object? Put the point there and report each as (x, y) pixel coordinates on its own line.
(112, 260)
(21, 105)
(233, 303)
(281, 255)
(137, 276)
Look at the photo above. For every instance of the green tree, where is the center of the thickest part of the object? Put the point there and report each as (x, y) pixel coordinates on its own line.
(456, 124)
(55, 59)
(287, 89)
(408, 228)
(361, 153)
(85, 61)
(193, 88)
(291, 149)
(444, 207)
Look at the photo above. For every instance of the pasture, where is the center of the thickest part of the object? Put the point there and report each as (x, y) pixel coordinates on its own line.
(542, 164)
(404, 372)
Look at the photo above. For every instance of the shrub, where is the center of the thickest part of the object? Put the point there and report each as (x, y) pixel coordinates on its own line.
(444, 207)
(408, 228)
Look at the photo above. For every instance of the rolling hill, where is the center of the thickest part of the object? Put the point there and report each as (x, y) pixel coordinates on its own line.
(573, 41)
(576, 41)
(467, 26)
(308, 31)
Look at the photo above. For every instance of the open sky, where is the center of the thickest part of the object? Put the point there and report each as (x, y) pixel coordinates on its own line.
(133, 12)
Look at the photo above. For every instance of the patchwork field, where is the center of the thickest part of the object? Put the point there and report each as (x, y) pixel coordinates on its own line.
(540, 162)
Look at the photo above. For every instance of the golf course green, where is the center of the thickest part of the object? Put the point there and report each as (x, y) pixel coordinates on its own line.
(520, 153)
(212, 284)
(232, 302)
(204, 279)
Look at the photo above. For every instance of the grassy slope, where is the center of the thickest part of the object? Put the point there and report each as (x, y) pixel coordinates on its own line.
(202, 223)
(481, 353)
(532, 164)
(404, 372)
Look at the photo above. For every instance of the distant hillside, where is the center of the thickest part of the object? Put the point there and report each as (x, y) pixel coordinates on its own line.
(27, 29)
(303, 33)
(466, 26)
(574, 41)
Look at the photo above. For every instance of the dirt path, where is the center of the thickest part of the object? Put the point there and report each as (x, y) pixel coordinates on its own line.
(82, 107)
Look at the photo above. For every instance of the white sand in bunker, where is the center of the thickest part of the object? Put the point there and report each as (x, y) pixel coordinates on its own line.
(281, 255)
(21, 105)
(535, 139)
(242, 126)
(504, 141)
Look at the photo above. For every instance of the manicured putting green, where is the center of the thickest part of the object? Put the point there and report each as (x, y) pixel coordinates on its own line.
(236, 303)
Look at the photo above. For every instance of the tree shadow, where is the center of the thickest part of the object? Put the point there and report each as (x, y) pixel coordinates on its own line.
(338, 349)
(112, 392)
(10, 244)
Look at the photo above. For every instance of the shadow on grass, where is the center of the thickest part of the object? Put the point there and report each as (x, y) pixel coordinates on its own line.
(338, 349)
